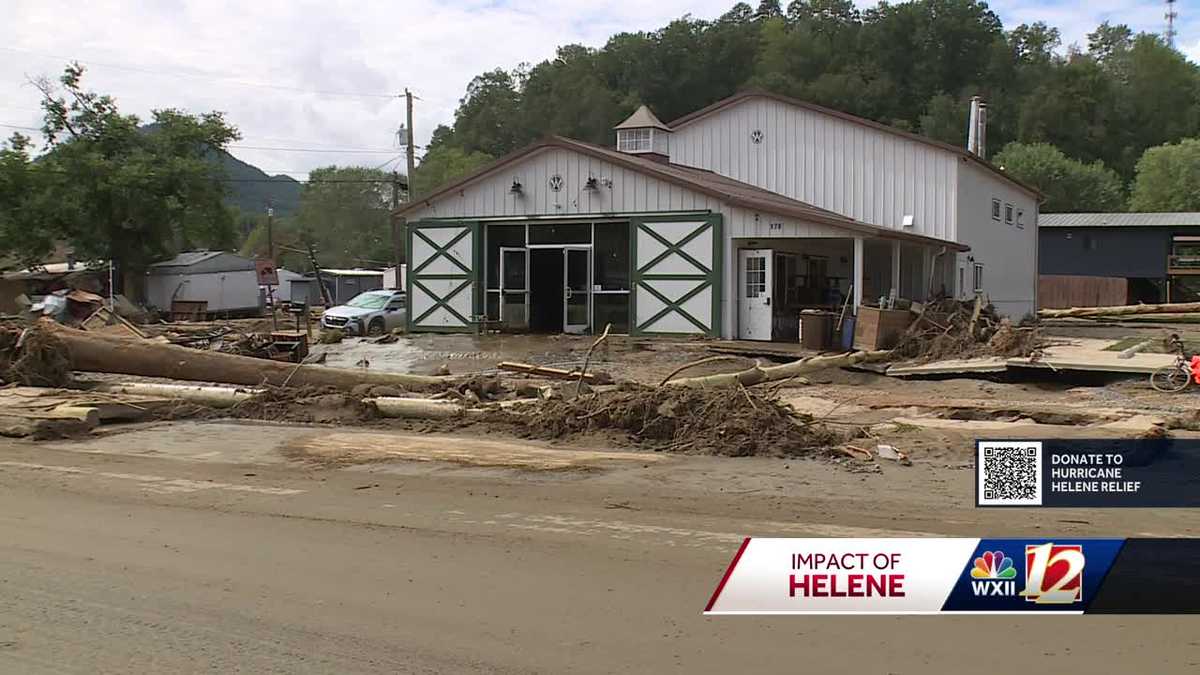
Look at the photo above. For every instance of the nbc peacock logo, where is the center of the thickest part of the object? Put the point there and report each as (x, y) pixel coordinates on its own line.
(994, 575)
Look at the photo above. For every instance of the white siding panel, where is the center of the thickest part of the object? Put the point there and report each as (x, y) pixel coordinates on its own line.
(860, 172)
(631, 192)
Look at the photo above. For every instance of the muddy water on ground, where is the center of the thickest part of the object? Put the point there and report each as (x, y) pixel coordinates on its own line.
(463, 353)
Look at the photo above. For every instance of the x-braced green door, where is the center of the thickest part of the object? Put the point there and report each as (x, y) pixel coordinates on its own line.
(442, 276)
(677, 275)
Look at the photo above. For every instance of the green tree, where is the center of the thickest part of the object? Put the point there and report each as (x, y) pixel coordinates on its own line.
(345, 212)
(488, 117)
(441, 165)
(1168, 178)
(1068, 185)
(111, 189)
(23, 201)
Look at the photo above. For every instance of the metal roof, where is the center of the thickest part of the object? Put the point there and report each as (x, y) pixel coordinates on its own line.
(1176, 219)
(351, 272)
(642, 118)
(187, 258)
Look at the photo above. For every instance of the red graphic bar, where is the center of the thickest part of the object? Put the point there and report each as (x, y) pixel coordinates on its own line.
(728, 572)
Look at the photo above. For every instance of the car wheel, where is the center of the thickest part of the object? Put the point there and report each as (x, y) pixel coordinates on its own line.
(375, 328)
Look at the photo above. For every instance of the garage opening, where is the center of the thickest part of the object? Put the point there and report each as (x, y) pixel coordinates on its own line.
(546, 293)
(555, 278)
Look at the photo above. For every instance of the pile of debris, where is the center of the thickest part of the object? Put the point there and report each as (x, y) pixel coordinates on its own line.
(33, 356)
(730, 421)
(954, 329)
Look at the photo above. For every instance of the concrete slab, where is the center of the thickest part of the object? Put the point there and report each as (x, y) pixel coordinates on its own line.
(820, 407)
(952, 366)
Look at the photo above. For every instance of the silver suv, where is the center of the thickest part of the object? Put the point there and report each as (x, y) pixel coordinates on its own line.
(370, 313)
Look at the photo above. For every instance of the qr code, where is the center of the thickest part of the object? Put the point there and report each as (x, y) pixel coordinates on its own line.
(1009, 473)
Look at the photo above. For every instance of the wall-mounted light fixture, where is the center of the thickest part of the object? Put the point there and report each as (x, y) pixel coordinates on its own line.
(592, 184)
(516, 187)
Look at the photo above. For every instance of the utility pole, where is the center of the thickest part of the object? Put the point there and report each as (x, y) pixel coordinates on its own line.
(270, 230)
(412, 159)
(399, 229)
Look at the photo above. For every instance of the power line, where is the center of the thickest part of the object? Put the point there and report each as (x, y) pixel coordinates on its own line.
(341, 150)
(216, 78)
(365, 151)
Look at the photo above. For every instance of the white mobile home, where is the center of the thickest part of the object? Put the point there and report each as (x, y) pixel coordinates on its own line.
(727, 222)
(225, 281)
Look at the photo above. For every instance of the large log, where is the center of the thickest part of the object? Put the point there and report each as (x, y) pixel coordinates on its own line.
(101, 354)
(422, 408)
(759, 374)
(1120, 310)
(215, 397)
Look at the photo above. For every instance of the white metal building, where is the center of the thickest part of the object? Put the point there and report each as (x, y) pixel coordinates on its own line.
(726, 222)
(226, 281)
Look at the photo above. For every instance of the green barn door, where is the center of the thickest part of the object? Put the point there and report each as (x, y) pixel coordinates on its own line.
(443, 277)
(677, 275)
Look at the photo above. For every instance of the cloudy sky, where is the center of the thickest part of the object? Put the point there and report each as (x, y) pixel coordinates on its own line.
(307, 81)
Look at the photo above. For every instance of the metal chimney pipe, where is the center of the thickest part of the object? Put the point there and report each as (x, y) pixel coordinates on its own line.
(981, 134)
(973, 126)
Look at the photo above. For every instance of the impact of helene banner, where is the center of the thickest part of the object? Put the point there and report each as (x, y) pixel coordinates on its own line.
(961, 575)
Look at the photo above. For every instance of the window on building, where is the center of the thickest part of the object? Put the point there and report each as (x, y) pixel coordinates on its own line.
(756, 277)
(1021, 218)
(978, 278)
(1008, 214)
(633, 140)
(995, 209)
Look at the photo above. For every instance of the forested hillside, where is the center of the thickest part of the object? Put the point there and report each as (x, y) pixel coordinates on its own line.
(913, 65)
(250, 189)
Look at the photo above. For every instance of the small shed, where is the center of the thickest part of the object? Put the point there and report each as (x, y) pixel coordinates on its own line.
(283, 292)
(344, 284)
(207, 282)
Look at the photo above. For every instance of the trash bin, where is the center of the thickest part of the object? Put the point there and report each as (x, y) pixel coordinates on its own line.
(847, 337)
(816, 329)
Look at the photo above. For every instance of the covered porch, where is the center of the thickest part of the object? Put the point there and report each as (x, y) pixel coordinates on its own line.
(775, 279)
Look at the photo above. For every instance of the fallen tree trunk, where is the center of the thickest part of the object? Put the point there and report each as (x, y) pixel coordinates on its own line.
(101, 354)
(759, 374)
(59, 422)
(544, 371)
(215, 397)
(422, 408)
(1119, 310)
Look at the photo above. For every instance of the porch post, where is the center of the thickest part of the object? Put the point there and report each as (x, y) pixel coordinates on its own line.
(857, 274)
(895, 269)
(925, 291)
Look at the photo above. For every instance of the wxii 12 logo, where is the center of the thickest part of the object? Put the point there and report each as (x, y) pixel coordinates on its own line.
(1053, 574)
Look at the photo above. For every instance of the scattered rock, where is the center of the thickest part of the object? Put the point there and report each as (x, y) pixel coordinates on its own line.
(331, 336)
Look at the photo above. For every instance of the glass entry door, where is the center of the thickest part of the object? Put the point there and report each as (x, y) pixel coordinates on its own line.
(577, 294)
(514, 287)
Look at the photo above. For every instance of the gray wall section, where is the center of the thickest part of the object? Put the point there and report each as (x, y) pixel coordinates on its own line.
(1129, 252)
(223, 291)
(1007, 251)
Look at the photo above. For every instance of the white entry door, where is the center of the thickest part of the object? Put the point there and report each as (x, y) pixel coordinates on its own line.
(755, 269)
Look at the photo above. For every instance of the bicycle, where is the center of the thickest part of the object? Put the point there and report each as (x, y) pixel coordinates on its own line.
(1177, 376)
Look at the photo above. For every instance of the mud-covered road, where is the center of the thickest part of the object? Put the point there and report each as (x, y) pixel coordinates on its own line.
(196, 547)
